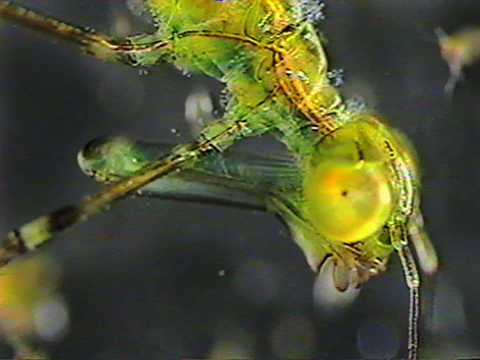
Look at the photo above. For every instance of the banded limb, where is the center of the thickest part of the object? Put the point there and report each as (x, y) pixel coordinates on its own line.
(38, 231)
(144, 49)
(412, 279)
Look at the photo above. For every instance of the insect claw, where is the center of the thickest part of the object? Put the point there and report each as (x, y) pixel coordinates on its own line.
(330, 300)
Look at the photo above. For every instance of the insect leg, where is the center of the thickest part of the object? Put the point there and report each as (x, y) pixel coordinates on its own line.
(400, 243)
(35, 233)
(144, 49)
(413, 283)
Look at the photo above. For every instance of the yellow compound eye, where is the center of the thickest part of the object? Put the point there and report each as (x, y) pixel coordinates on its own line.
(347, 201)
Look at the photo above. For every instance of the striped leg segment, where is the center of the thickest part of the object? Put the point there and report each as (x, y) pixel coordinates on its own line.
(144, 49)
(33, 234)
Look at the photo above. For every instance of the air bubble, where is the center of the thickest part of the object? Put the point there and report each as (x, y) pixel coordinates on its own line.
(355, 104)
(51, 318)
(198, 110)
(312, 10)
(225, 98)
(136, 7)
(336, 77)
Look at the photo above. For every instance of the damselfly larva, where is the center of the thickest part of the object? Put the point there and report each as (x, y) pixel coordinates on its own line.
(349, 193)
(460, 49)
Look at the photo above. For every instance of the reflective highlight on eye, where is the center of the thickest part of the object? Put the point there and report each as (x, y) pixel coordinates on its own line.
(348, 201)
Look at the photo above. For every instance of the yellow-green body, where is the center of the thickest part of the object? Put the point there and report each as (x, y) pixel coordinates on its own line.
(270, 60)
(275, 69)
(352, 195)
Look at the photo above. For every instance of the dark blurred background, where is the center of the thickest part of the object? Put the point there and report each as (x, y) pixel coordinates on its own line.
(164, 279)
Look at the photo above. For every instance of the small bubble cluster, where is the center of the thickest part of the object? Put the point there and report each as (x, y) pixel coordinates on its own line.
(312, 10)
(336, 77)
(355, 104)
(225, 98)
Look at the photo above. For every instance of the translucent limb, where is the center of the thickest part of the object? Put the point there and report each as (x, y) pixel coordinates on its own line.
(132, 51)
(455, 76)
(412, 279)
(454, 61)
(35, 233)
(235, 178)
(330, 300)
(426, 254)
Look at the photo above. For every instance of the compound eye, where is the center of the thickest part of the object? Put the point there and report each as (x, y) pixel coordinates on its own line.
(347, 201)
